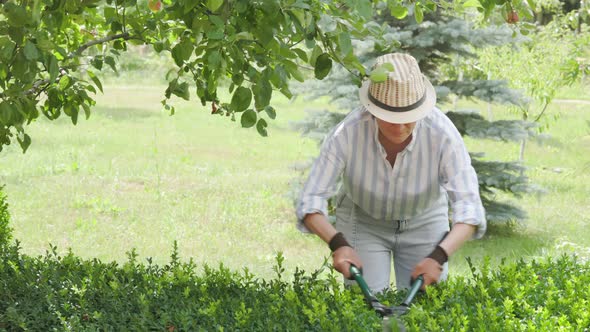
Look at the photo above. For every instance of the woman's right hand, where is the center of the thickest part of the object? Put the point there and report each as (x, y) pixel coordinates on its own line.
(343, 257)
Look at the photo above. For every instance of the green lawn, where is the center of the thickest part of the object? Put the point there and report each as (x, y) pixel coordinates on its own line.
(133, 176)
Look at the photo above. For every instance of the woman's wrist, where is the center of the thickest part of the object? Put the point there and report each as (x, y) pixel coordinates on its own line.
(337, 242)
(439, 255)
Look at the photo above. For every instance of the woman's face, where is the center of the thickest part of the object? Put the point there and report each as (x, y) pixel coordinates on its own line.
(395, 132)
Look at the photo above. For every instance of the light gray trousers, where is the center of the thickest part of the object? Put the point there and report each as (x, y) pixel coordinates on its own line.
(378, 241)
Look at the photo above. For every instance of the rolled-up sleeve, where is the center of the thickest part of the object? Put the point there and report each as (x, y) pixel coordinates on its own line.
(460, 181)
(322, 181)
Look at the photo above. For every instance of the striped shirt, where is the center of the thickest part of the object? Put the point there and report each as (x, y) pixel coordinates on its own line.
(435, 163)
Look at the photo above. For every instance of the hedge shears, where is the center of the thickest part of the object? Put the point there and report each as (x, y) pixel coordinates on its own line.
(384, 311)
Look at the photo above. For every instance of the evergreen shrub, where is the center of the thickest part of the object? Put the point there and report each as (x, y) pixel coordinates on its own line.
(67, 293)
(5, 230)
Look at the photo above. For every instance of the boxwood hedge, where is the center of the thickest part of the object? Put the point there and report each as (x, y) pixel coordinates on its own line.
(67, 293)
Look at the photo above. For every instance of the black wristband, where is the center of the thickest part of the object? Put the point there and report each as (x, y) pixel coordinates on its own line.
(439, 255)
(338, 241)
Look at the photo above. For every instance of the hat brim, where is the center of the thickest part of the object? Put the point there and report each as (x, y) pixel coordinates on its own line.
(399, 117)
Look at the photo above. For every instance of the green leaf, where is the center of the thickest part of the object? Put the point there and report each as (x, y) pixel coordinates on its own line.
(292, 69)
(64, 82)
(53, 68)
(387, 66)
(286, 92)
(344, 43)
(110, 14)
(90, 88)
(261, 127)
(96, 62)
(17, 15)
(43, 42)
(182, 51)
(109, 60)
(241, 99)
(300, 4)
(86, 110)
(379, 75)
(327, 23)
(364, 8)
(315, 53)
(95, 80)
(20, 66)
(25, 142)
(216, 20)
(248, 118)
(6, 113)
(418, 14)
(472, 3)
(7, 47)
(189, 5)
(279, 77)
(31, 52)
(158, 46)
(214, 59)
(244, 35)
(213, 5)
(323, 66)
(211, 85)
(399, 11)
(237, 78)
(181, 90)
(533, 5)
(240, 6)
(270, 111)
(73, 113)
(300, 53)
(286, 52)
(262, 93)
(216, 34)
(299, 15)
(264, 34)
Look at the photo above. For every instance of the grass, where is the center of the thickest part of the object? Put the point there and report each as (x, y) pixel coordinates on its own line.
(134, 177)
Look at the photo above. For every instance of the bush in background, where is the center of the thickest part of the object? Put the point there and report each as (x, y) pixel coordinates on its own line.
(5, 230)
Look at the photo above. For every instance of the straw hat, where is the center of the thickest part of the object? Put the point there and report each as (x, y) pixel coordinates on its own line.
(405, 96)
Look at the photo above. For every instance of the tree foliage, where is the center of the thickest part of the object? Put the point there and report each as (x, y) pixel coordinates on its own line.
(52, 51)
(540, 67)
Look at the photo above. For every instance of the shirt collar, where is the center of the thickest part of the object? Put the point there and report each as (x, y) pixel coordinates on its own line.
(376, 136)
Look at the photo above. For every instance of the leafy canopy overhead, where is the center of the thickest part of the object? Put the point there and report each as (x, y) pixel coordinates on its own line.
(52, 51)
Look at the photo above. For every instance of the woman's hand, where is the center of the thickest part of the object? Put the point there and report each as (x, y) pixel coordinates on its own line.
(343, 257)
(430, 269)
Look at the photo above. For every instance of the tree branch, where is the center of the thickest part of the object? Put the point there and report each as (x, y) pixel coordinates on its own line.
(124, 36)
(543, 111)
(37, 84)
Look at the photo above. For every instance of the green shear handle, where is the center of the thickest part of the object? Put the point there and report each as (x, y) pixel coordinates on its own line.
(375, 304)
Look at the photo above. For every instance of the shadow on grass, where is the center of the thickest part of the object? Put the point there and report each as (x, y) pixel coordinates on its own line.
(124, 113)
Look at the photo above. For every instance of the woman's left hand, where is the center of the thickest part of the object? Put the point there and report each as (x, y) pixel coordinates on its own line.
(430, 269)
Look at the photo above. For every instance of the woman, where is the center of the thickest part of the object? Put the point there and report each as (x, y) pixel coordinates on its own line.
(402, 161)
